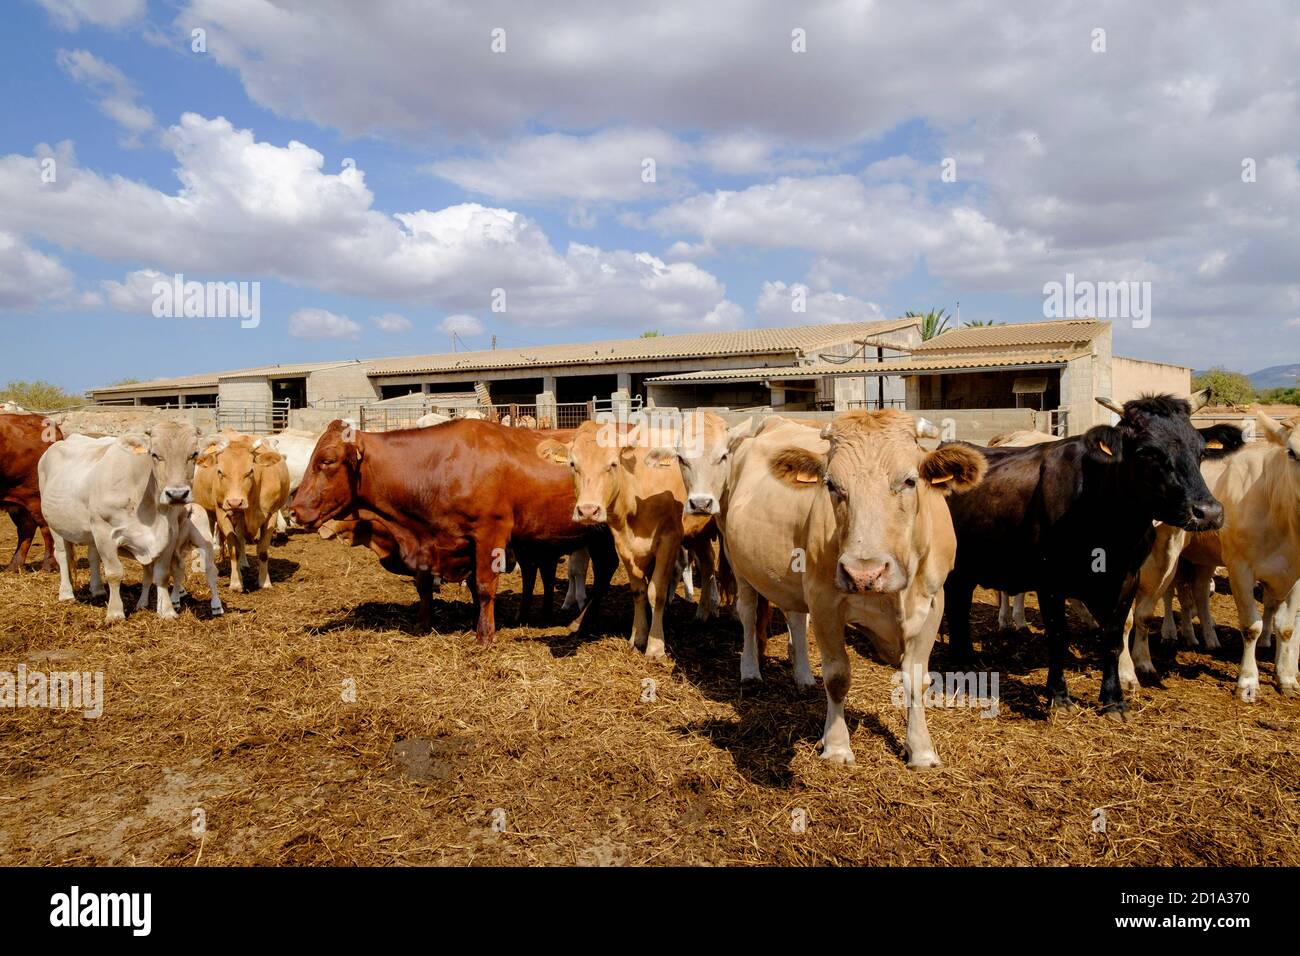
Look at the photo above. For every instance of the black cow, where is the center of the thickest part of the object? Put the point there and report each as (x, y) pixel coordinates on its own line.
(1073, 519)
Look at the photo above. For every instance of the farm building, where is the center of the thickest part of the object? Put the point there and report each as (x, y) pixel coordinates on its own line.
(986, 379)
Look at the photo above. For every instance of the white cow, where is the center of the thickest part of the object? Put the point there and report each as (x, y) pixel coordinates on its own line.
(430, 419)
(126, 494)
(194, 537)
(12, 408)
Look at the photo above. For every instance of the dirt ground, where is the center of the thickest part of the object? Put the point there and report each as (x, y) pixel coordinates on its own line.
(231, 741)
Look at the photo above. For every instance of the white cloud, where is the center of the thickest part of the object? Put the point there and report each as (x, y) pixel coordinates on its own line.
(28, 278)
(461, 325)
(70, 14)
(322, 324)
(779, 304)
(391, 322)
(117, 96)
(135, 293)
(248, 209)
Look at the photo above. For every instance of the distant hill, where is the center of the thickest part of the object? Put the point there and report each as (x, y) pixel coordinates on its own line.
(1275, 376)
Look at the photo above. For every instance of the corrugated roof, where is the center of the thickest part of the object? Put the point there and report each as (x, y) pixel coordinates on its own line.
(803, 338)
(210, 379)
(907, 366)
(1020, 334)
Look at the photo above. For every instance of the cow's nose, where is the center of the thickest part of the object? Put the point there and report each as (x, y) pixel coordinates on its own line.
(1208, 514)
(868, 575)
(235, 504)
(587, 512)
(177, 496)
(700, 504)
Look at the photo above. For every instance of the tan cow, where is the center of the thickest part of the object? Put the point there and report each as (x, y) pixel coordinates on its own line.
(860, 534)
(1259, 488)
(243, 483)
(642, 504)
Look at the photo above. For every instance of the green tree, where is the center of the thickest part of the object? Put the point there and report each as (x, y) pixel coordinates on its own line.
(933, 323)
(652, 334)
(125, 381)
(39, 396)
(981, 324)
(1280, 396)
(1230, 388)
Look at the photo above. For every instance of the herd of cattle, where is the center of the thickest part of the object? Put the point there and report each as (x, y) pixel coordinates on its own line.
(856, 522)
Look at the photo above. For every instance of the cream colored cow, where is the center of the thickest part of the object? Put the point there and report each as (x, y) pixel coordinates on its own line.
(860, 533)
(243, 483)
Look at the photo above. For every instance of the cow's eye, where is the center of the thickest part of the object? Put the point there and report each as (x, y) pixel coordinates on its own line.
(249, 474)
(909, 482)
(155, 456)
(220, 473)
(1290, 453)
(832, 487)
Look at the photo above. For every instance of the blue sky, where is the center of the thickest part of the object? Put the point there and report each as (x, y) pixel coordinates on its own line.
(522, 169)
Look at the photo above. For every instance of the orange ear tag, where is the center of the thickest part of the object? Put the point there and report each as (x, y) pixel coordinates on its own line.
(1106, 448)
(939, 481)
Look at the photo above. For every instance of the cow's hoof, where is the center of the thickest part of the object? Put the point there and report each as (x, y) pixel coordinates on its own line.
(1064, 705)
(749, 670)
(1116, 712)
(1289, 690)
(841, 755)
(218, 611)
(927, 761)
(67, 597)
(804, 682)
(1212, 644)
(655, 652)
(112, 617)
(98, 594)
(1248, 690)
(168, 615)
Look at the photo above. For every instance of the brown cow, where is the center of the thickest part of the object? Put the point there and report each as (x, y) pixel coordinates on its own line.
(464, 491)
(243, 483)
(23, 440)
(628, 483)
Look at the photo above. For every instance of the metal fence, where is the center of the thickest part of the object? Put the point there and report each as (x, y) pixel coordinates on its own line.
(383, 418)
(254, 417)
(872, 404)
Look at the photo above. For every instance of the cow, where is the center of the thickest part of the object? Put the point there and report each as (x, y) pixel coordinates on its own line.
(860, 533)
(243, 483)
(126, 494)
(24, 439)
(12, 408)
(1259, 541)
(618, 483)
(454, 497)
(1074, 518)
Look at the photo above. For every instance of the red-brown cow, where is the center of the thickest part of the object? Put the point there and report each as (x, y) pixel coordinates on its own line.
(23, 440)
(465, 491)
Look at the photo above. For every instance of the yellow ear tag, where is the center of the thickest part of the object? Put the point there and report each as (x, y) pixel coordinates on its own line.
(939, 481)
(806, 477)
(1214, 444)
(1106, 448)
(137, 450)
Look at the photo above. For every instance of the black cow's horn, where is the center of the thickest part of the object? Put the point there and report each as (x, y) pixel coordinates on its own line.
(1201, 399)
(1113, 405)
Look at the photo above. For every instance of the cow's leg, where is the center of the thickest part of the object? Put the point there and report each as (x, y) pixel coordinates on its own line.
(1201, 588)
(158, 571)
(528, 569)
(1248, 620)
(747, 601)
(146, 583)
(1287, 656)
(957, 599)
(547, 569)
(96, 570)
(798, 621)
(1052, 607)
(1018, 612)
(604, 562)
(113, 572)
(576, 595)
(66, 552)
(686, 573)
(916, 664)
(708, 606)
(264, 555)
(1127, 675)
(1144, 611)
(205, 547)
(48, 564)
(638, 584)
(487, 550)
(837, 675)
(235, 539)
(25, 525)
(658, 588)
(1171, 629)
(1004, 611)
(1112, 642)
(1085, 616)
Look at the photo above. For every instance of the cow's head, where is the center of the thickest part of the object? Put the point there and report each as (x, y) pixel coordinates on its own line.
(329, 484)
(173, 449)
(1161, 454)
(876, 477)
(601, 459)
(705, 461)
(235, 462)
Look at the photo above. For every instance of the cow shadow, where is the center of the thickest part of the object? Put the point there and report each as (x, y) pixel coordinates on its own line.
(449, 618)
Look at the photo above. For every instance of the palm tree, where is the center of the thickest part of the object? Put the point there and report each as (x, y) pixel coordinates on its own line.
(933, 322)
(981, 323)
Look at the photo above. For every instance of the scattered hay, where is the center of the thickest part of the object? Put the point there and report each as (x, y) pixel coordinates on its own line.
(245, 719)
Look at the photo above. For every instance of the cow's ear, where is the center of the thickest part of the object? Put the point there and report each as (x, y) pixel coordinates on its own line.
(554, 451)
(800, 468)
(1221, 440)
(953, 468)
(1104, 444)
(738, 433)
(136, 444)
(267, 456)
(661, 457)
(1274, 431)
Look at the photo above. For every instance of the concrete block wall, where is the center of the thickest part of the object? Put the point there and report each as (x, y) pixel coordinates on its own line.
(344, 381)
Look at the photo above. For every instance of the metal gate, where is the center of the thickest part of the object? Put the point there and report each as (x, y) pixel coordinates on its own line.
(252, 417)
